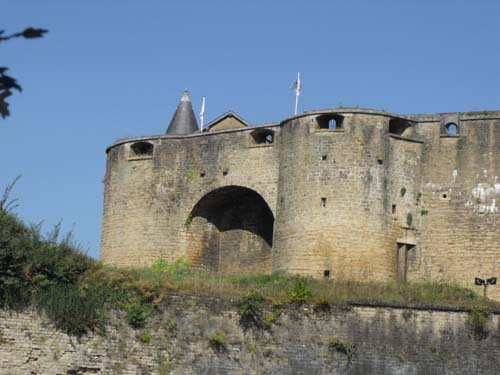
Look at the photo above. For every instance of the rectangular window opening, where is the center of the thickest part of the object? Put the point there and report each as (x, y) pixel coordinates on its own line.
(323, 202)
(224, 173)
(326, 274)
(394, 209)
(324, 157)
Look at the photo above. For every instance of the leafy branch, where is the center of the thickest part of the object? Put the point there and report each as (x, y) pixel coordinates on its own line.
(8, 83)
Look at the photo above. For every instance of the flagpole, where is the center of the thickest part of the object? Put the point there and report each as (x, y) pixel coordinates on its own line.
(296, 103)
(202, 114)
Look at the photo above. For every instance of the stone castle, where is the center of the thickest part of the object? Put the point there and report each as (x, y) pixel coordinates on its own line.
(340, 193)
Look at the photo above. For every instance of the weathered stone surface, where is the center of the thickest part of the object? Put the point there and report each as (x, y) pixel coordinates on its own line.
(346, 201)
(385, 341)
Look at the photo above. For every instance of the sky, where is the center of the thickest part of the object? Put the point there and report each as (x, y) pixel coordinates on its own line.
(113, 69)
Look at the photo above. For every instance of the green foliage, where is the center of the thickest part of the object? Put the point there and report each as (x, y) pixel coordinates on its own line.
(409, 219)
(419, 196)
(477, 321)
(144, 336)
(192, 173)
(8, 83)
(251, 311)
(271, 318)
(75, 292)
(189, 220)
(178, 269)
(424, 212)
(171, 325)
(44, 271)
(164, 366)
(300, 290)
(218, 342)
(72, 309)
(403, 191)
(138, 312)
(337, 345)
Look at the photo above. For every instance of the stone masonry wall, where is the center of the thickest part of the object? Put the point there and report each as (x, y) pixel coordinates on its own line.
(384, 341)
(459, 237)
(343, 201)
(148, 201)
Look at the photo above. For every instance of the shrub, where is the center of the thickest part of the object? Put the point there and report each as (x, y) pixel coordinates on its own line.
(138, 312)
(300, 290)
(73, 310)
(271, 318)
(178, 269)
(251, 311)
(144, 336)
(218, 342)
(336, 344)
(477, 321)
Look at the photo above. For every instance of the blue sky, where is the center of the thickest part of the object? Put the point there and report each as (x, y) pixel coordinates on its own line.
(113, 69)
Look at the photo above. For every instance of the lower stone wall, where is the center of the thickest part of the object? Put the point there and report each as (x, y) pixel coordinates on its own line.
(176, 341)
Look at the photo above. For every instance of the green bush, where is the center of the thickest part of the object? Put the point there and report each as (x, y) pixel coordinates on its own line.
(300, 290)
(218, 342)
(477, 321)
(72, 309)
(179, 268)
(144, 336)
(251, 311)
(138, 312)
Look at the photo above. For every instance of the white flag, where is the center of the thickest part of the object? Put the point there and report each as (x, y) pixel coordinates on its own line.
(202, 113)
(297, 85)
(298, 88)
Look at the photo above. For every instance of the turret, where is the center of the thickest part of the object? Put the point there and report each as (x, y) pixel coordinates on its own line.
(184, 121)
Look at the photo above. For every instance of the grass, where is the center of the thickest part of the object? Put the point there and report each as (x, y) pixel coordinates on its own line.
(218, 341)
(76, 292)
(282, 289)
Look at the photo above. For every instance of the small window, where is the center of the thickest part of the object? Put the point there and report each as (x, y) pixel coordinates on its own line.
(324, 157)
(380, 161)
(224, 173)
(330, 122)
(323, 202)
(142, 149)
(262, 137)
(452, 128)
(394, 209)
(202, 174)
(326, 274)
(399, 126)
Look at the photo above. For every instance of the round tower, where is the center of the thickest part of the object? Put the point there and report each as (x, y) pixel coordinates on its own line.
(334, 196)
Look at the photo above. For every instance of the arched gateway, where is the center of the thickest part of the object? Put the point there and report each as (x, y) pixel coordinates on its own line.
(230, 230)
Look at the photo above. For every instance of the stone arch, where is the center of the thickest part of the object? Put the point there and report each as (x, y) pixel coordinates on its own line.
(230, 230)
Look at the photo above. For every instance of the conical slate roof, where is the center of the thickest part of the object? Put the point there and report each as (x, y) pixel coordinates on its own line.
(184, 121)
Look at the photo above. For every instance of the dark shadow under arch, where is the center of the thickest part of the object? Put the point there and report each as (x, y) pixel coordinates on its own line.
(231, 231)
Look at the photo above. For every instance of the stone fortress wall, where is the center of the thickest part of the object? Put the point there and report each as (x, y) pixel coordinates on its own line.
(345, 193)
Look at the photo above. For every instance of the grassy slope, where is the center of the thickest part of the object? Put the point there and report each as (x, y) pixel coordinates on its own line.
(75, 291)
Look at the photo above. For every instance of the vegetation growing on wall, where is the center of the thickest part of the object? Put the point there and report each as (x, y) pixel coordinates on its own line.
(76, 292)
